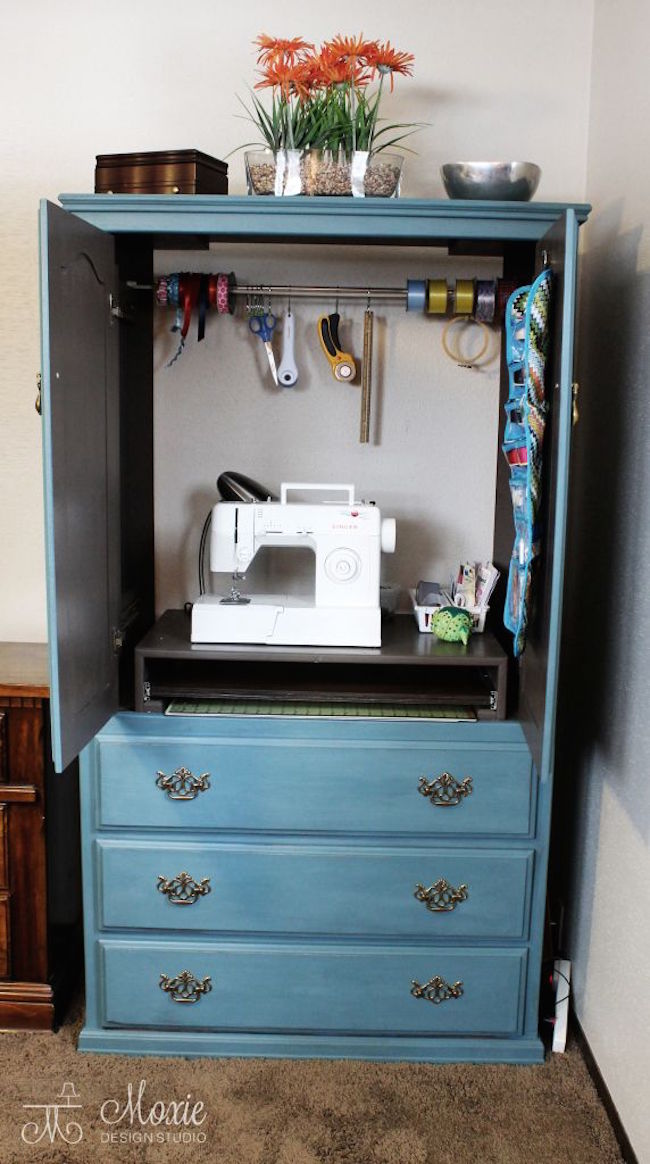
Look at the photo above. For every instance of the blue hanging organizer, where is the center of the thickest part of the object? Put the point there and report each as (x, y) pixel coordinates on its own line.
(527, 342)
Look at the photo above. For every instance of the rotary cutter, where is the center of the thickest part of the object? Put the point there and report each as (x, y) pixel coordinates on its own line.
(342, 363)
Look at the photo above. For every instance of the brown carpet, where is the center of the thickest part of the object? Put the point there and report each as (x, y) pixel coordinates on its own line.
(291, 1112)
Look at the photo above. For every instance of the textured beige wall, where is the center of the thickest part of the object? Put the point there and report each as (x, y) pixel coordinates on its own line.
(78, 79)
(605, 721)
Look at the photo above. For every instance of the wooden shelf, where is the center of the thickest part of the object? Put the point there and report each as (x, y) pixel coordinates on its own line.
(409, 667)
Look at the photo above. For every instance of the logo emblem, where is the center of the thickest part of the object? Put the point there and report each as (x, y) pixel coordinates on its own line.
(54, 1113)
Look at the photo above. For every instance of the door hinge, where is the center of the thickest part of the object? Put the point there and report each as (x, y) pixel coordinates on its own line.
(494, 700)
(146, 692)
(575, 415)
(38, 402)
(117, 310)
(118, 639)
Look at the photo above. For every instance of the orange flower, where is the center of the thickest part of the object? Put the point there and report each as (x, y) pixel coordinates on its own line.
(278, 75)
(350, 48)
(274, 48)
(383, 58)
(308, 76)
(341, 67)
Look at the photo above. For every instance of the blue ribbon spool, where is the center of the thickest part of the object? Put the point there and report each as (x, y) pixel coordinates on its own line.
(416, 294)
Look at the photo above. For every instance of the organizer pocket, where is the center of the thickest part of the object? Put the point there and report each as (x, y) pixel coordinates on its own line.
(527, 338)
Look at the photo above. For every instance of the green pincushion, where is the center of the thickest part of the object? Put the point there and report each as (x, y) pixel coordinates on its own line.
(452, 625)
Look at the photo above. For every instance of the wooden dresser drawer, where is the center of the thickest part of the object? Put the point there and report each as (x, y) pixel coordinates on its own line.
(314, 889)
(275, 987)
(287, 785)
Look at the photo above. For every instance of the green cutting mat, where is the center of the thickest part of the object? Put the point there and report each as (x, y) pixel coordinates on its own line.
(318, 710)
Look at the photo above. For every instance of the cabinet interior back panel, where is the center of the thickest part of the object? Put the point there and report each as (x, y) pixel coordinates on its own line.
(431, 461)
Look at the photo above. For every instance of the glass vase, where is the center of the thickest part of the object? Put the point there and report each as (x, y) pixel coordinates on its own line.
(324, 173)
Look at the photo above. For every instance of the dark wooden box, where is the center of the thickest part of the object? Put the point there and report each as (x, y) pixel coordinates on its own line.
(161, 172)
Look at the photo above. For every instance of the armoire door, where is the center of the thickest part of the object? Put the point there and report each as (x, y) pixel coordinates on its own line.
(80, 409)
(540, 660)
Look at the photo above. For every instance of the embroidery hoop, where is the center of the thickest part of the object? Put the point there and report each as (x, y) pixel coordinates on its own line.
(475, 361)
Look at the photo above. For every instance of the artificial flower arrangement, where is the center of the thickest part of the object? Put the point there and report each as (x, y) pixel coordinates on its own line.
(323, 125)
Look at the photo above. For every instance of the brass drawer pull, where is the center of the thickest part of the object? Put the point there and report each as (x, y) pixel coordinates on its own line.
(182, 784)
(445, 789)
(441, 897)
(183, 889)
(185, 987)
(436, 990)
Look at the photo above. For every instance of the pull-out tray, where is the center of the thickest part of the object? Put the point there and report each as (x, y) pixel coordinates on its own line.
(409, 668)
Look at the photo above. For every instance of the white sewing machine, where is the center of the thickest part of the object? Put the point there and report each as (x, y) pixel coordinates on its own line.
(347, 540)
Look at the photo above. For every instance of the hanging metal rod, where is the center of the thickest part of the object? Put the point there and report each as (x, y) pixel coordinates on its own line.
(279, 290)
(290, 290)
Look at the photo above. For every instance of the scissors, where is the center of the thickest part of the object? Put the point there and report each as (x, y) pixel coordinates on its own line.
(263, 325)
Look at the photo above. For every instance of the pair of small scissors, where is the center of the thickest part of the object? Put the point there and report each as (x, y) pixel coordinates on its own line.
(263, 325)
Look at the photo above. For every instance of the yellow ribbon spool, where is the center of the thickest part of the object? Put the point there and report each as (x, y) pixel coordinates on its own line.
(437, 296)
(464, 298)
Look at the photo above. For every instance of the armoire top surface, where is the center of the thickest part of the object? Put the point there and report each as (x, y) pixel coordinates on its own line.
(400, 220)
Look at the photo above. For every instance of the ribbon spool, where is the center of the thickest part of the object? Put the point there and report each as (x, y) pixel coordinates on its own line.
(172, 289)
(486, 300)
(220, 293)
(464, 297)
(189, 286)
(437, 296)
(226, 293)
(223, 295)
(416, 294)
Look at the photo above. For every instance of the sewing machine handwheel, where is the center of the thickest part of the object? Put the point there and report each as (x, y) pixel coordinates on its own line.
(388, 535)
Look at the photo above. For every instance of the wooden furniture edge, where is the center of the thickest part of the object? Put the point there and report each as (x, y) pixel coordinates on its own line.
(26, 1006)
(24, 670)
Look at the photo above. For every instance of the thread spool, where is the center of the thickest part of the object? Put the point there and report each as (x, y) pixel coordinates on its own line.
(464, 297)
(416, 294)
(437, 296)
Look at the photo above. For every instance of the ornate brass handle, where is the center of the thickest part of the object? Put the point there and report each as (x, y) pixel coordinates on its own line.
(436, 990)
(445, 789)
(183, 889)
(185, 987)
(441, 897)
(182, 784)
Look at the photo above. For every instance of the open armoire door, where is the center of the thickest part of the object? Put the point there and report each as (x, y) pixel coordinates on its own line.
(540, 660)
(81, 454)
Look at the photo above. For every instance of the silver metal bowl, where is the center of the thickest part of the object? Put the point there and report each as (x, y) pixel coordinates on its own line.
(498, 181)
